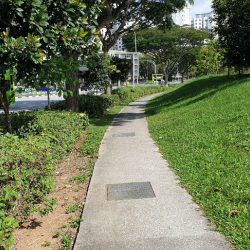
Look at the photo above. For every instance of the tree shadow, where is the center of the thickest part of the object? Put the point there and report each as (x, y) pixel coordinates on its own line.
(32, 224)
(122, 118)
(192, 93)
(18, 120)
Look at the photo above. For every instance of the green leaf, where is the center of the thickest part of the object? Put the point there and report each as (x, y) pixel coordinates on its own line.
(1, 234)
(36, 3)
(18, 2)
(19, 9)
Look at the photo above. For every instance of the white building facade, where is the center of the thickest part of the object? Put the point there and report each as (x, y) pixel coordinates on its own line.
(204, 21)
(182, 17)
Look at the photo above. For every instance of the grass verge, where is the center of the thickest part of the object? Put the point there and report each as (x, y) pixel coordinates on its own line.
(203, 129)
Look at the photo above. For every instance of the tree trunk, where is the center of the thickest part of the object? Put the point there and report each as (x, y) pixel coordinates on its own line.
(108, 87)
(48, 98)
(4, 103)
(182, 78)
(72, 102)
(166, 78)
(108, 90)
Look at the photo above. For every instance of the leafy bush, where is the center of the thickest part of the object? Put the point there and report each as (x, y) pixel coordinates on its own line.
(112, 99)
(123, 92)
(131, 93)
(94, 106)
(27, 159)
(31, 123)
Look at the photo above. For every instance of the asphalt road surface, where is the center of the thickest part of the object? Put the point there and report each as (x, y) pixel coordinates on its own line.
(36, 102)
(31, 103)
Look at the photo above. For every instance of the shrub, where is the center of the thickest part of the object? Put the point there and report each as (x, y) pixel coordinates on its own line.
(94, 106)
(112, 99)
(122, 92)
(131, 93)
(27, 160)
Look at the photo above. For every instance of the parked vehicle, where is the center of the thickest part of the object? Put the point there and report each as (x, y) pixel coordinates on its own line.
(158, 78)
(45, 88)
(86, 87)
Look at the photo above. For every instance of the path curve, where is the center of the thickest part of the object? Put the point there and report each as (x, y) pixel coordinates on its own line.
(134, 201)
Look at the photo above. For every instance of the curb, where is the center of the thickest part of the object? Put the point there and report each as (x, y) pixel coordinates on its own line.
(33, 96)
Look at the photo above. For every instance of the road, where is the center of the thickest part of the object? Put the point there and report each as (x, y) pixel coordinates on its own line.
(39, 102)
(31, 103)
(35, 102)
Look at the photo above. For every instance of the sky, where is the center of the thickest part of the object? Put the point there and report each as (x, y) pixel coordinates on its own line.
(200, 7)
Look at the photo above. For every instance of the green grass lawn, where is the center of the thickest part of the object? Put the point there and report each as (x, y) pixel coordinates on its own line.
(203, 130)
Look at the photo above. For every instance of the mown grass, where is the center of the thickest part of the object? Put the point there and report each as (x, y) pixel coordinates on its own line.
(203, 130)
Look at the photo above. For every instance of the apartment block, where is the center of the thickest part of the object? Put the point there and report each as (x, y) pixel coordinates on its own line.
(203, 21)
(182, 17)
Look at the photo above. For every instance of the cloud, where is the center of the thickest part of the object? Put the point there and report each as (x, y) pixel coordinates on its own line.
(200, 7)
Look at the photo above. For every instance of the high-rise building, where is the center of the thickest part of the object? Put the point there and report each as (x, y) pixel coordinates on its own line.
(182, 17)
(203, 21)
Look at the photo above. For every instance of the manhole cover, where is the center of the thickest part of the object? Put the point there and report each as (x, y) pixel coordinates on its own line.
(126, 191)
(130, 134)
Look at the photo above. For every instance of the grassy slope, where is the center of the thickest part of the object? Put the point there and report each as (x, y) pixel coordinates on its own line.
(203, 130)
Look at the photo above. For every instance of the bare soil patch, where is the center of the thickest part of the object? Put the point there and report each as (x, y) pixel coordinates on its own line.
(47, 232)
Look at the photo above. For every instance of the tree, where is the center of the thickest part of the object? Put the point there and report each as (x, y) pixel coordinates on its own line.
(140, 14)
(100, 70)
(16, 49)
(232, 18)
(146, 67)
(32, 29)
(167, 48)
(186, 63)
(120, 17)
(123, 67)
(72, 34)
(209, 59)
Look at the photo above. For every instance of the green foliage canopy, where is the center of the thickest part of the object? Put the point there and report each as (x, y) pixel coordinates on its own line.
(141, 14)
(232, 18)
(209, 59)
(33, 30)
(123, 67)
(100, 69)
(167, 48)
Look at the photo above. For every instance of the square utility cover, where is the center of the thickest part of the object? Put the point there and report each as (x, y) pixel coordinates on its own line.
(126, 191)
(129, 134)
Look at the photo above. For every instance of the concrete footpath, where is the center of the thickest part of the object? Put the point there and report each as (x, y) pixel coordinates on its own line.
(134, 201)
